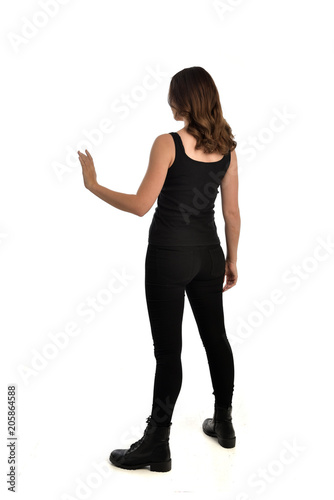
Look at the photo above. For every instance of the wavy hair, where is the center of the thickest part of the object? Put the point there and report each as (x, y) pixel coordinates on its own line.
(194, 96)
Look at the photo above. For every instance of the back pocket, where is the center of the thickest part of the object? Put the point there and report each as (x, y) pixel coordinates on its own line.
(174, 264)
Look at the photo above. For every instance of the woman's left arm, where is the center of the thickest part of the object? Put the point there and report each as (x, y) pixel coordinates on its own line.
(141, 202)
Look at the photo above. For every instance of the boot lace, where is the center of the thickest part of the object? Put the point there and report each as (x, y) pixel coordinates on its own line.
(137, 443)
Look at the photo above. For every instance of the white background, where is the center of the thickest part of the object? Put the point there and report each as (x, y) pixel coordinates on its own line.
(60, 245)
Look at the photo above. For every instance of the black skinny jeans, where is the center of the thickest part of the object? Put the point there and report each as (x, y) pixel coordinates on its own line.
(169, 273)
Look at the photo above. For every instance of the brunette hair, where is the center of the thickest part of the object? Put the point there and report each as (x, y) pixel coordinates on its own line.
(194, 95)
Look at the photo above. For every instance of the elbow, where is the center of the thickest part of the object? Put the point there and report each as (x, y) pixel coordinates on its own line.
(231, 214)
(232, 217)
(140, 212)
(139, 208)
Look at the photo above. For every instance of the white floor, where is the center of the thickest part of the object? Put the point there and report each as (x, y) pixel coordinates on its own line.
(73, 417)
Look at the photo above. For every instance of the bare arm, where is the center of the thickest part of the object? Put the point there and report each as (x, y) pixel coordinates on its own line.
(151, 185)
(122, 201)
(230, 206)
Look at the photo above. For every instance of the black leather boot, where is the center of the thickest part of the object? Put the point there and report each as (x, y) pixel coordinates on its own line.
(221, 427)
(151, 450)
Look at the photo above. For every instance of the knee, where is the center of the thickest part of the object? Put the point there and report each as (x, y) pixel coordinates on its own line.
(165, 356)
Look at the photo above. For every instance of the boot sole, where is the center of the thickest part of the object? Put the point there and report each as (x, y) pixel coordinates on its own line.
(154, 467)
(224, 442)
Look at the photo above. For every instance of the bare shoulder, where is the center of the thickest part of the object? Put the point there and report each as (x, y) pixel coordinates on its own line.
(234, 160)
(164, 139)
(232, 170)
(230, 181)
(163, 146)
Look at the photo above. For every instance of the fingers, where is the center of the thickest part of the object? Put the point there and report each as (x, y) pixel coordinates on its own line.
(89, 155)
(231, 281)
(81, 157)
(84, 157)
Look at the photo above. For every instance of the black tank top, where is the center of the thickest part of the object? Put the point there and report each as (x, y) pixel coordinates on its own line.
(185, 206)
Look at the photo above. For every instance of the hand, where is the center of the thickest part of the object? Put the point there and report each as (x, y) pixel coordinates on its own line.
(88, 170)
(231, 274)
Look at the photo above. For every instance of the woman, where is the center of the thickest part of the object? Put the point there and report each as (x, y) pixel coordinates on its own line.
(184, 254)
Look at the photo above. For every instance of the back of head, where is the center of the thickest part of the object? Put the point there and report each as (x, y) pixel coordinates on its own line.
(194, 96)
